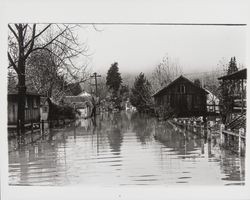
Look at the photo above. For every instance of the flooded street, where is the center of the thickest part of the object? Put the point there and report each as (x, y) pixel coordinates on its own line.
(123, 150)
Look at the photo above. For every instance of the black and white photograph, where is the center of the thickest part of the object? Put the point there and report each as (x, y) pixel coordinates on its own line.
(125, 104)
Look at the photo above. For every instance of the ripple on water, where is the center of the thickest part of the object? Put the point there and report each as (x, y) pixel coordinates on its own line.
(121, 150)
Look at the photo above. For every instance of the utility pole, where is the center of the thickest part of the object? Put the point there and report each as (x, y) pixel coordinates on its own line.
(95, 76)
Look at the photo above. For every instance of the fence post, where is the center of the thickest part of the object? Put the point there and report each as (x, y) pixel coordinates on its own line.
(209, 134)
(222, 137)
(241, 132)
(32, 127)
(18, 129)
(42, 126)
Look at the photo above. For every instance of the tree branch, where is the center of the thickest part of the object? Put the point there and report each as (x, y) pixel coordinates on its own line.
(25, 30)
(13, 63)
(70, 48)
(12, 30)
(40, 33)
(32, 41)
(44, 46)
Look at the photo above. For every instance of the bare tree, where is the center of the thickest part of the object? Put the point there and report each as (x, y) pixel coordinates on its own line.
(51, 78)
(25, 39)
(164, 73)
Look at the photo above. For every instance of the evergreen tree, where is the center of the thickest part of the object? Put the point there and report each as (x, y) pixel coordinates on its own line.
(232, 66)
(141, 94)
(228, 88)
(114, 80)
(124, 92)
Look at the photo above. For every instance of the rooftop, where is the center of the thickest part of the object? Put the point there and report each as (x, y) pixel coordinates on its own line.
(176, 80)
(241, 74)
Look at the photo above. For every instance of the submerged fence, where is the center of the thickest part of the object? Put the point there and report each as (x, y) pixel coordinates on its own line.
(234, 141)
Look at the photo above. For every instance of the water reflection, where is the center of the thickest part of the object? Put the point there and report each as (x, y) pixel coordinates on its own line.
(123, 149)
(142, 126)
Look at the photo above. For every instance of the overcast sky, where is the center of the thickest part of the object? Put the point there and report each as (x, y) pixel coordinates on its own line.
(139, 48)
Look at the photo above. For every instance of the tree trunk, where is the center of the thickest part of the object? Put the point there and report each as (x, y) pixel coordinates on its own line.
(50, 89)
(21, 98)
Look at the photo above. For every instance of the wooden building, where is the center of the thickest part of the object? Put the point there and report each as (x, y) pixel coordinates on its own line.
(236, 115)
(239, 91)
(82, 104)
(32, 109)
(183, 98)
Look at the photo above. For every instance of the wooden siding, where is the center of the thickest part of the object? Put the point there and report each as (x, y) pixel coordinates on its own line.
(32, 109)
(184, 97)
(12, 112)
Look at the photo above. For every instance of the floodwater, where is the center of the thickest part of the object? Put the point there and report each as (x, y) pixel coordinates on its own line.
(123, 149)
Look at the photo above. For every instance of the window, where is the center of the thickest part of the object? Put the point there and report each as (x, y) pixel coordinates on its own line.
(182, 89)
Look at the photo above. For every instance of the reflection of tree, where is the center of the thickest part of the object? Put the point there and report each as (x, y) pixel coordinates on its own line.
(24, 167)
(125, 122)
(115, 135)
(143, 126)
(115, 139)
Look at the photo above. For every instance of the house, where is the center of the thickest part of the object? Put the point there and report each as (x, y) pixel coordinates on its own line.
(82, 103)
(32, 109)
(183, 98)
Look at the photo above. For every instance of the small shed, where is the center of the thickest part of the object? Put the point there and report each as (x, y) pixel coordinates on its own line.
(183, 98)
(32, 108)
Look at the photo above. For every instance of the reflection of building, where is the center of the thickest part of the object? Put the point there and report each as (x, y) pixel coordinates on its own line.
(183, 97)
(32, 108)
